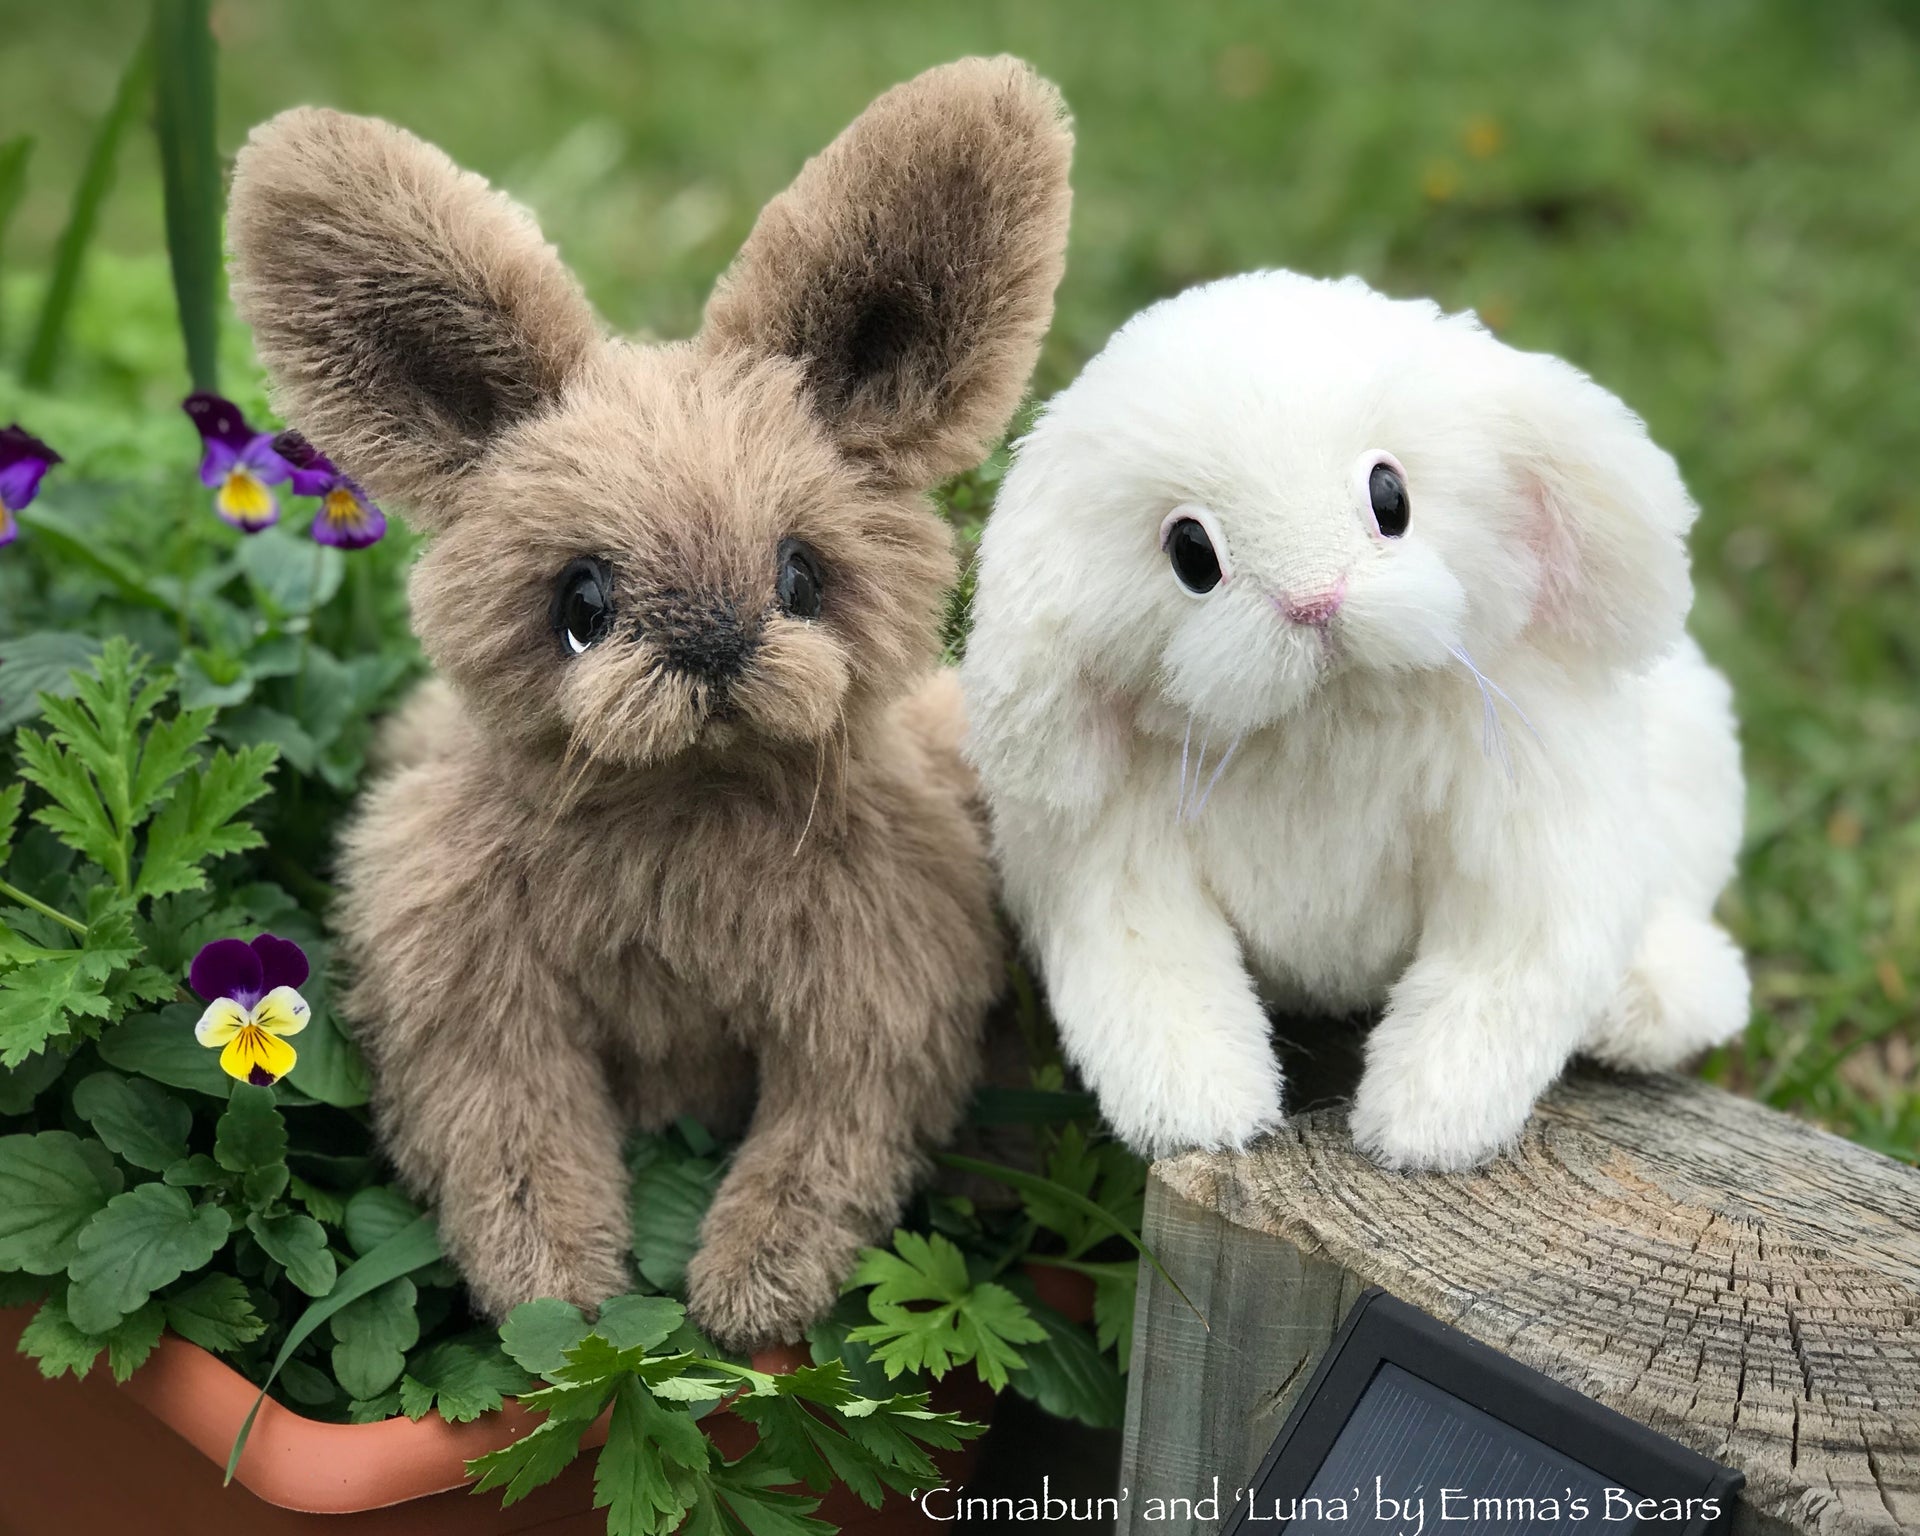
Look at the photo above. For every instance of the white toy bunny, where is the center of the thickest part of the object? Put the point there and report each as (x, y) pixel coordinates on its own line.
(1328, 654)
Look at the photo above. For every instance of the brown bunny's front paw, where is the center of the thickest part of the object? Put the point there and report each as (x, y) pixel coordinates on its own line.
(751, 1286)
(523, 1271)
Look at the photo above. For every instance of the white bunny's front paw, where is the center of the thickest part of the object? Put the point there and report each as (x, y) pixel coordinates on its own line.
(1430, 1102)
(1211, 1106)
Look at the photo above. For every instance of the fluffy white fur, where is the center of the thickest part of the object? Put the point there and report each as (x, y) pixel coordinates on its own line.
(1519, 865)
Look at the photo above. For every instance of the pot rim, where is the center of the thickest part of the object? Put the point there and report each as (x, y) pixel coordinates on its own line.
(313, 1467)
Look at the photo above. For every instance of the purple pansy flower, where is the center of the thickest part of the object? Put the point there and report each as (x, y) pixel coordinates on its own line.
(240, 464)
(347, 518)
(23, 460)
(253, 1003)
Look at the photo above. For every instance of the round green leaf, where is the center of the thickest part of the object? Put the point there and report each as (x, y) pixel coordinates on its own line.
(51, 1186)
(538, 1334)
(138, 1119)
(161, 1046)
(251, 1133)
(372, 1337)
(299, 1245)
(144, 1239)
(374, 1215)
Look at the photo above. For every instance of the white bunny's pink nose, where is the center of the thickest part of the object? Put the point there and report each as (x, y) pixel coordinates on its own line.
(1316, 611)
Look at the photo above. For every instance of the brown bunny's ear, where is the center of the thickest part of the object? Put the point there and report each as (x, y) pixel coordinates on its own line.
(406, 312)
(910, 267)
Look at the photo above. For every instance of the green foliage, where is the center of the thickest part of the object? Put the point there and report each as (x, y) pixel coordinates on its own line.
(141, 1240)
(930, 1315)
(182, 44)
(130, 791)
(462, 1378)
(43, 352)
(52, 1185)
(658, 1469)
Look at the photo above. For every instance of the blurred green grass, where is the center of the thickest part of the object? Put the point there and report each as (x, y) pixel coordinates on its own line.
(1714, 208)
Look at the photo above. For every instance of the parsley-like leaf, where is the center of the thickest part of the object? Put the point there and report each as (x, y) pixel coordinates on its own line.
(929, 1315)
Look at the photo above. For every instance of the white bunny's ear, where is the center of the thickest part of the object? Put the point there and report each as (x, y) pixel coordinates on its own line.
(1605, 511)
(1038, 731)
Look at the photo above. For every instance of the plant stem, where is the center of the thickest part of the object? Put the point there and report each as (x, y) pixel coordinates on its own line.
(21, 899)
(306, 634)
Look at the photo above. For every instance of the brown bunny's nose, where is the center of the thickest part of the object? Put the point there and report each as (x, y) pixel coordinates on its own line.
(704, 636)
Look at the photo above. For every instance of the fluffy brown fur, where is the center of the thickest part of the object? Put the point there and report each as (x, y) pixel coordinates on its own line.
(725, 848)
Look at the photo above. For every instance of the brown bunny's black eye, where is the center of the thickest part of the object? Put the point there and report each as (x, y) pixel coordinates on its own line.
(1387, 493)
(1195, 564)
(582, 608)
(799, 585)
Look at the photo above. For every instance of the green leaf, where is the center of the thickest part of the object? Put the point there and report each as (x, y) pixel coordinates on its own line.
(195, 1172)
(45, 662)
(929, 1316)
(1067, 1373)
(52, 1185)
(214, 1312)
(633, 1480)
(190, 178)
(372, 1410)
(414, 1247)
(639, 1322)
(10, 799)
(323, 1205)
(210, 681)
(463, 1380)
(169, 750)
(292, 574)
(299, 1245)
(43, 1001)
(250, 1133)
(199, 822)
(129, 1344)
(143, 1239)
(14, 155)
(372, 1336)
(744, 1498)
(55, 1345)
(137, 1119)
(1105, 1220)
(670, 1200)
(161, 1046)
(375, 1215)
(309, 1385)
(21, 1085)
(525, 1464)
(538, 1334)
(43, 352)
(331, 1068)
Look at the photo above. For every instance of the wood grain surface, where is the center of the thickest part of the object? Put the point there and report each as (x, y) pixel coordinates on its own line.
(1730, 1276)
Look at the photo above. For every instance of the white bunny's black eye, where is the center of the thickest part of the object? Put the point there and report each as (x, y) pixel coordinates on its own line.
(582, 610)
(1196, 564)
(799, 586)
(1387, 496)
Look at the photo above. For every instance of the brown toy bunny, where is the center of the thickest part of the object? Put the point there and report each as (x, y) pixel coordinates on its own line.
(688, 805)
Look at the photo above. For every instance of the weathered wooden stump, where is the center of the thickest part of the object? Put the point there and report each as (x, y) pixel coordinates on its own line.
(1724, 1274)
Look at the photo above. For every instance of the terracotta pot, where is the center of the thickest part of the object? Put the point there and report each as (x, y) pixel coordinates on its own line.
(93, 1456)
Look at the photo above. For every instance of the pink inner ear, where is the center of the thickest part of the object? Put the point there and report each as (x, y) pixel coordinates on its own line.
(1553, 547)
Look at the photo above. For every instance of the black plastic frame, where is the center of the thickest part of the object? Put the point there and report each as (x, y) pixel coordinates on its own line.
(1383, 1328)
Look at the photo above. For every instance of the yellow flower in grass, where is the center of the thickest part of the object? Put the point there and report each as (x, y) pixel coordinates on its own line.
(253, 1004)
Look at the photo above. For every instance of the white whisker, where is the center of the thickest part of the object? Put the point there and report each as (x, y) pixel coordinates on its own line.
(1207, 794)
(1186, 743)
(1493, 732)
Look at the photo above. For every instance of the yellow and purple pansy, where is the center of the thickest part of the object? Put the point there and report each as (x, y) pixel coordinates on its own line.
(253, 1004)
(240, 465)
(23, 460)
(347, 518)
